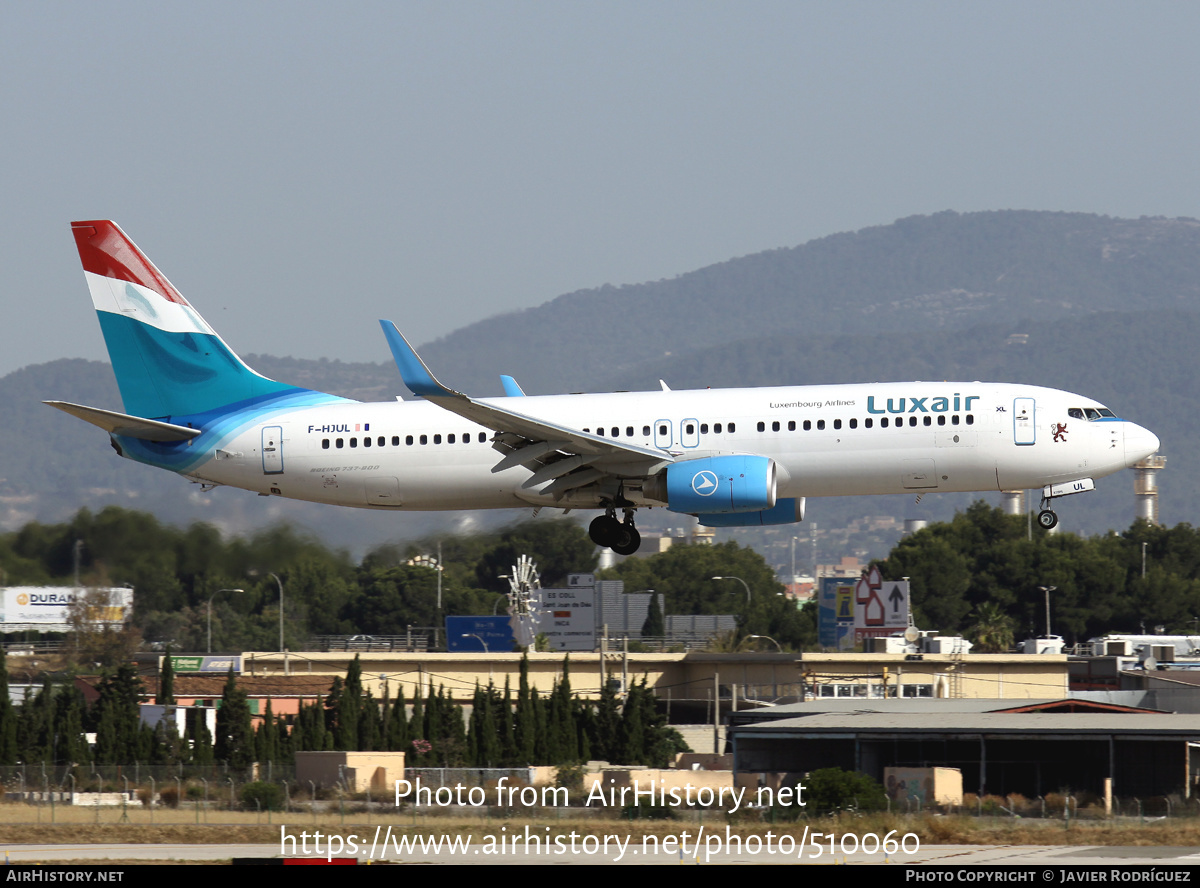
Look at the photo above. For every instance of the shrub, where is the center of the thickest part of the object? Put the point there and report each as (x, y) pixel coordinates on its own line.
(832, 789)
(267, 796)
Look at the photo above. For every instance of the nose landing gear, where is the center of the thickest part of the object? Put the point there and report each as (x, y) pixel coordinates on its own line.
(622, 537)
(1047, 518)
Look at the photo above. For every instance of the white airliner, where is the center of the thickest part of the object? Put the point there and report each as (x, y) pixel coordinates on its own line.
(731, 457)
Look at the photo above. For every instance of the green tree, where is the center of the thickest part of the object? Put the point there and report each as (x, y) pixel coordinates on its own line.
(992, 631)
(654, 626)
(832, 789)
(235, 733)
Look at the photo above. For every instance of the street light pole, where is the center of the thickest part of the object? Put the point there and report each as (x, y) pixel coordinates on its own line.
(1047, 590)
(740, 580)
(210, 598)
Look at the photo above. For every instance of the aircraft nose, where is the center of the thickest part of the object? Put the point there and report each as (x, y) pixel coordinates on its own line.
(1139, 443)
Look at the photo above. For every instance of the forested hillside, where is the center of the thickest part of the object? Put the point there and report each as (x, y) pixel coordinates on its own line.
(922, 273)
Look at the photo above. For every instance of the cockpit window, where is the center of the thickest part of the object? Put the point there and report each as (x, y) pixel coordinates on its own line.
(1092, 413)
(1075, 413)
(1105, 412)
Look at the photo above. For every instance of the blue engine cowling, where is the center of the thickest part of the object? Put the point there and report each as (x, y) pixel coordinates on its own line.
(788, 510)
(721, 484)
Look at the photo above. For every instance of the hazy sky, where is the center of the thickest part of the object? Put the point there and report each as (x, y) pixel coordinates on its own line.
(299, 170)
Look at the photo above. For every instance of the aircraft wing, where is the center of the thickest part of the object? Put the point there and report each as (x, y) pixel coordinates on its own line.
(552, 450)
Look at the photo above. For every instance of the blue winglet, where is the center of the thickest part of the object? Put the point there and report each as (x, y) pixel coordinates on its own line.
(511, 389)
(412, 369)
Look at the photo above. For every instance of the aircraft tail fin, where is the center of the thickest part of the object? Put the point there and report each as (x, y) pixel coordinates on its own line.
(168, 361)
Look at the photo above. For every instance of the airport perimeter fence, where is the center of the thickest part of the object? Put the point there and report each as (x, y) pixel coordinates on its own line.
(207, 790)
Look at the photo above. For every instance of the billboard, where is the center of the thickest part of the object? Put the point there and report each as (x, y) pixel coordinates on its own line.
(46, 608)
(880, 606)
(835, 613)
(211, 663)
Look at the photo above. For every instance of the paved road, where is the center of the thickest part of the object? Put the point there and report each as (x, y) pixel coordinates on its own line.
(944, 855)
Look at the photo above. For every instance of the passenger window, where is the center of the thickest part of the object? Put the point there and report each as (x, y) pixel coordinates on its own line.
(704, 428)
(691, 428)
(762, 426)
(837, 423)
(616, 432)
(970, 419)
(324, 443)
(662, 429)
(716, 428)
(820, 425)
(450, 438)
(912, 420)
(954, 419)
(732, 428)
(424, 439)
(482, 437)
(628, 431)
(600, 431)
(437, 439)
(808, 425)
(869, 422)
(366, 442)
(942, 419)
(791, 425)
(467, 438)
(396, 441)
(408, 439)
(854, 423)
(645, 431)
(883, 423)
(354, 442)
(928, 420)
(775, 426)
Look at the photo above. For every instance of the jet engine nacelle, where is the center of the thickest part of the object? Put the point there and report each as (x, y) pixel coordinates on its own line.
(721, 484)
(788, 510)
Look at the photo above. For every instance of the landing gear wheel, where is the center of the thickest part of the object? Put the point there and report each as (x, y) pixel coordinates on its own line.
(630, 542)
(1047, 519)
(605, 531)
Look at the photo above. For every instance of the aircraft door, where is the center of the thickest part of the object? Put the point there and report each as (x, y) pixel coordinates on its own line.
(663, 438)
(272, 450)
(1024, 421)
(689, 433)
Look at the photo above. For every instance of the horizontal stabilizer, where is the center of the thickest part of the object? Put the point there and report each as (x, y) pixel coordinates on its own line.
(125, 425)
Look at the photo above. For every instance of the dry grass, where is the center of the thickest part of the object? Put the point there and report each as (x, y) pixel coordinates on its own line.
(20, 823)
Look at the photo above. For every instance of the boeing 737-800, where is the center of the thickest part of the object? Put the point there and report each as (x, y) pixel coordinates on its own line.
(731, 457)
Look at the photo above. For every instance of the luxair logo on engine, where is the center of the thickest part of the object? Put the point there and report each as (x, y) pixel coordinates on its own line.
(704, 483)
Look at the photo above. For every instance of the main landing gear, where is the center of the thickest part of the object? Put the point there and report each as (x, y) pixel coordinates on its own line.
(622, 537)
